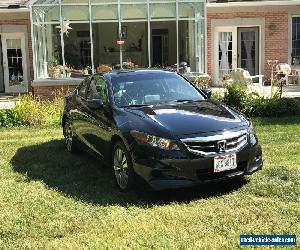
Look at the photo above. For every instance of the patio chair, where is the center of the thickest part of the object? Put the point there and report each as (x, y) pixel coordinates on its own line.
(243, 78)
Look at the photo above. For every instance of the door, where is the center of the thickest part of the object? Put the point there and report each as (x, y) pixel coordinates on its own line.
(99, 118)
(225, 51)
(248, 49)
(14, 63)
(160, 48)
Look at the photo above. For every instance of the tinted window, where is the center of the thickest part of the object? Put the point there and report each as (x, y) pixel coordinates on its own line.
(145, 88)
(98, 89)
(82, 88)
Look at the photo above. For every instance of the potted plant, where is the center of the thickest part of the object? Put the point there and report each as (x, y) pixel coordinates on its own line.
(53, 68)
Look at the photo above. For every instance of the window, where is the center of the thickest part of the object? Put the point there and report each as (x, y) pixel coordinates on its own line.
(296, 41)
(98, 89)
(82, 87)
(73, 38)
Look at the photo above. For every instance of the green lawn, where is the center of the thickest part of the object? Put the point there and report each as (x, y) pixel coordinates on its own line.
(50, 199)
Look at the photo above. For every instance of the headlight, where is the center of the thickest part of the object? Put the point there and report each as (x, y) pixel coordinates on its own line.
(154, 141)
(252, 135)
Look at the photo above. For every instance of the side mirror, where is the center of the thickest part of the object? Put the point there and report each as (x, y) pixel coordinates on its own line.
(95, 103)
(207, 92)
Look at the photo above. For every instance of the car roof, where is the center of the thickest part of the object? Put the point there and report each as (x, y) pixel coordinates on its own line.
(135, 71)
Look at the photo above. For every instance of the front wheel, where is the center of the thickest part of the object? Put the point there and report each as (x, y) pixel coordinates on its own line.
(70, 142)
(122, 166)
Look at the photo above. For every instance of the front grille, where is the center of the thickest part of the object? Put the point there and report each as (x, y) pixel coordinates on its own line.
(207, 146)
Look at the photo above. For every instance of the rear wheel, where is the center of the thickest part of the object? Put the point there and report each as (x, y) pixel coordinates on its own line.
(70, 142)
(122, 167)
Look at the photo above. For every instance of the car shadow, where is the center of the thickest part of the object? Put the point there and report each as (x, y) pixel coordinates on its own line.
(87, 178)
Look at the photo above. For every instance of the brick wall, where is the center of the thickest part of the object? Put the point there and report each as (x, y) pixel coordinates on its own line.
(50, 92)
(276, 35)
(28, 46)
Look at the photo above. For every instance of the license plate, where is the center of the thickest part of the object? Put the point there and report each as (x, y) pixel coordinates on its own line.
(225, 162)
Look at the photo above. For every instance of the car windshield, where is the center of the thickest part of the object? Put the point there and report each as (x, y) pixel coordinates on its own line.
(150, 88)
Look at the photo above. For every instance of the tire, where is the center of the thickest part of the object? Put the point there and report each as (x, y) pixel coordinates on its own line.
(70, 140)
(122, 167)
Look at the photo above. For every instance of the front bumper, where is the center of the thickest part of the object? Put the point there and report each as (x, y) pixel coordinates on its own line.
(185, 171)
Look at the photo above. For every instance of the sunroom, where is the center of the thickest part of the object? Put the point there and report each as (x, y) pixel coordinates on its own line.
(74, 38)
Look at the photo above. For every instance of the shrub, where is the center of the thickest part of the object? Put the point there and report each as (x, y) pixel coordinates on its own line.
(252, 105)
(235, 96)
(31, 111)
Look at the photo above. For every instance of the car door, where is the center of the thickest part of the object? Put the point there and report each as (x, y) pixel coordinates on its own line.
(99, 118)
(77, 113)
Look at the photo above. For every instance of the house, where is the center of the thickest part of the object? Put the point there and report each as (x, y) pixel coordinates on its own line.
(16, 69)
(74, 37)
(247, 34)
(71, 38)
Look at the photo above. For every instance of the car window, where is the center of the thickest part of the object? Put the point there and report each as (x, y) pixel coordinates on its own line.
(82, 88)
(98, 89)
(146, 88)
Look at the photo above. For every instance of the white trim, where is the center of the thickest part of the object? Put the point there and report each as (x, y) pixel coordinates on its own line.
(24, 86)
(237, 23)
(205, 40)
(33, 45)
(253, 3)
(20, 10)
(215, 51)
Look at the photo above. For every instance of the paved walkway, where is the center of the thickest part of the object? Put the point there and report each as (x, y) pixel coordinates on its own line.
(7, 101)
(291, 91)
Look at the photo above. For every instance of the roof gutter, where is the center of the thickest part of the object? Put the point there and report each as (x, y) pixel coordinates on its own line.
(19, 10)
(253, 4)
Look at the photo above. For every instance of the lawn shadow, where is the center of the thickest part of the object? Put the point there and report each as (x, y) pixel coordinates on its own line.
(84, 177)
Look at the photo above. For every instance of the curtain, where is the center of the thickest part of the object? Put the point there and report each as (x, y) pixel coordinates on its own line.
(225, 38)
(249, 42)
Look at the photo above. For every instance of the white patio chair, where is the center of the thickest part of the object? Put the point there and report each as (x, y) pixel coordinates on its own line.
(243, 77)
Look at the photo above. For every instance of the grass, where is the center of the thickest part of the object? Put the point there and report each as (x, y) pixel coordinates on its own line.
(50, 199)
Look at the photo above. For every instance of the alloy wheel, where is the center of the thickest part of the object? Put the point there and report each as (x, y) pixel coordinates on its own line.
(121, 168)
(68, 136)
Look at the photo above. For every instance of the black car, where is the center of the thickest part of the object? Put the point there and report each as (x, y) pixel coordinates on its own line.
(155, 125)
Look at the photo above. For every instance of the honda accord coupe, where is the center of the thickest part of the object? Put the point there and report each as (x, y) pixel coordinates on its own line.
(156, 126)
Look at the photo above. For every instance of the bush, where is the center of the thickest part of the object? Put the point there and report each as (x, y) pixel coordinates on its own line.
(253, 105)
(30, 111)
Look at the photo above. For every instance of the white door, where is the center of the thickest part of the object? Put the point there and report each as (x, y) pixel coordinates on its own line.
(225, 51)
(14, 63)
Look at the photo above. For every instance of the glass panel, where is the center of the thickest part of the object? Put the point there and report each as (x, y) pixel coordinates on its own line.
(136, 44)
(163, 10)
(131, 11)
(106, 50)
(105, 12)
(46, 2)
(75, 1)
(75, 13)
(163, 0)
(295, 40)
(225, 53)
(47, 54)
(138, 1)
(189, 10)
(78, 50)
(186, 38)
(15, 61)
(248, 55)
(45, 13)
(163, 40)
(103, 1)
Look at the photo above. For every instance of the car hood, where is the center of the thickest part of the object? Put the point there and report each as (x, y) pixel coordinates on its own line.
(182, 119)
